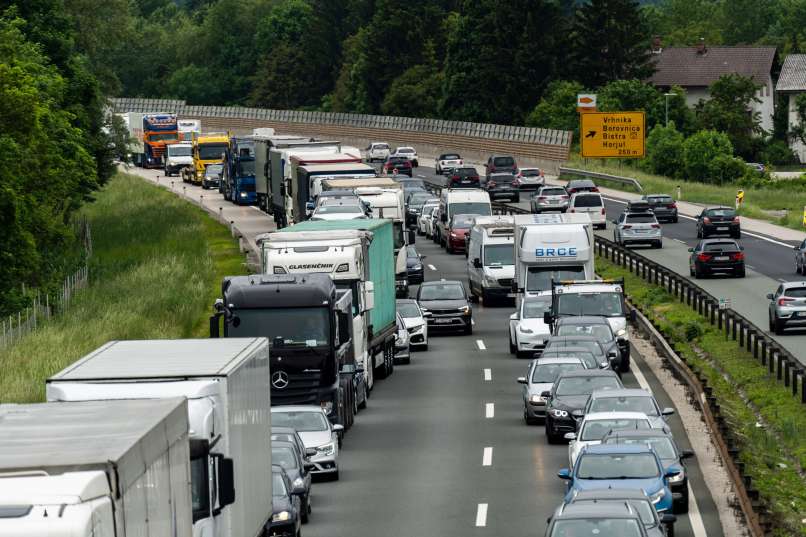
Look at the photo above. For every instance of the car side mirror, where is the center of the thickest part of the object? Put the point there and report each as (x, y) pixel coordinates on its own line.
(309, 466)
(668, 411)
(570, 436)
(546, 394)
(309, 206)
(796, 248)
(691, 249)
(686, 454)
(337, 428)
(427, 314)
(298, 491)
(423, 256)
(604, 365)
(476, 262)
(565, 473)
(578, 414)
(521, 380)
(672, 472)
(310, 452)
(514, 316)
(770, 296)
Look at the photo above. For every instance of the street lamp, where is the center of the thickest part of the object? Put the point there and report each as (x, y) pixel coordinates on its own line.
(666, 98)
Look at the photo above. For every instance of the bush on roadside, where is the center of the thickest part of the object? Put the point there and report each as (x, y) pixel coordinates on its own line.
(777, 153)
(700, 150)
(664, 151)
(726, 169)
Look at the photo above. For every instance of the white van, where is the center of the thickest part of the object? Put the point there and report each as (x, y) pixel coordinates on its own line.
(592, 204)
(491, 257)
(461, 201)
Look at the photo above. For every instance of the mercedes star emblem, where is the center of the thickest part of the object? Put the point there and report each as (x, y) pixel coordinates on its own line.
(279, 380)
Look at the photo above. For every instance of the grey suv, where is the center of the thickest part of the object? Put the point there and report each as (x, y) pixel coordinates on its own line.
(787, 306)
(550, 198)
(637, 228)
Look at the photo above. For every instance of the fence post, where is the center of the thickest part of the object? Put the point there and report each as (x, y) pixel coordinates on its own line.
(763, 352)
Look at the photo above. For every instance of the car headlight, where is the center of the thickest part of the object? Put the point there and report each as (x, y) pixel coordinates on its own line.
(536, 399)
(622, 333)
(326, 449)
(453, 235)
(298, 482)
(243, 194)
(525, 330)
(658, 496)
(677, 478)
(465, 310)
(327, 406)
(282, 516)
(557, 413)
(418, 266)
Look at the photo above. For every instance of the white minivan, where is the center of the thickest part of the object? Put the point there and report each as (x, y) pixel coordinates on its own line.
(491, 257)
(454, 201)
(378, 151)
(592, 204)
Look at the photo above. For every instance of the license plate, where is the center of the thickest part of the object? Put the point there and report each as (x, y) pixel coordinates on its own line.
(442, 321)
(721, 258)
(722, 229)
(800, 314)
(466, 182)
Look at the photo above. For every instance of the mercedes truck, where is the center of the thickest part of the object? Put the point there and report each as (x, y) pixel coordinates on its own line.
(238, 182)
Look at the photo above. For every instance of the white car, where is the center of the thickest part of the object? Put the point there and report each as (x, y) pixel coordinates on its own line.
(629, 400)
(527, 331)
(408, 153)
(590, 203)
(415, 320)
(446, 162)
(596, 425)
(338, 209)
(402, 345)
(530, 178)
(378, 151)
(426, 215)
(316, 432)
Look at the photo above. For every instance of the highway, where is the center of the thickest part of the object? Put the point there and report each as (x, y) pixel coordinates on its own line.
(414, 462)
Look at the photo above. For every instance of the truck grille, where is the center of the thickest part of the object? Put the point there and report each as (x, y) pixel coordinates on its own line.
(452, 311)
(302, 389)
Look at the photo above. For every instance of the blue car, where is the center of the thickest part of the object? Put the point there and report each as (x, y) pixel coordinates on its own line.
(621, 467)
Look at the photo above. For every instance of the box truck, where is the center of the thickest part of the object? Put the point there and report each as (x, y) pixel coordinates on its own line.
(97, 469)
(226, 383)
(264, 143)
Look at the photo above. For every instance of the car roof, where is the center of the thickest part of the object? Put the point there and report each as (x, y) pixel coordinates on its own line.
(583, 319)
(787, 285)
(585, 181)
(573, 338)
(440, 282)
(720, 207)
(593, 416)
(633, 433)
(609, 510)
(278, 429)
(622, 392)
(569, 349)
(557, 360)
(610, 494)
(297, 408)
(627, 449)
(589, 373)
(283, 444)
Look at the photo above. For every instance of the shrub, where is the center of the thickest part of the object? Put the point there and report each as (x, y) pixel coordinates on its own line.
(699, 152)
(664, 151)
(778, 153)
(727, 169)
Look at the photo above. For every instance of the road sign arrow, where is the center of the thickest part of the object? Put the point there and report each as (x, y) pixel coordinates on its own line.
(585, 100)
(590, 134)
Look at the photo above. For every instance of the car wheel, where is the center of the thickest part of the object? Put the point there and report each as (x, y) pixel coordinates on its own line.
(797, 267)
(778, 327)
(740, 273)
(449, 248)
(469, 329)
(304, 513)
(658, 244)
(513, 349)
(335, 476)
(551, 437)
(770, 323)
(527, 419)
(516, 199)
(699, 233)
(691, 272)
(681, 505)
(697, 272)
(674, 220)
(363, 404)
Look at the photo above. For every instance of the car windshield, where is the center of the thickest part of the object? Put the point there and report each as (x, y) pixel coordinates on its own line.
(413, 184)
(661, 444)
(582, 183)
(214, 169)
(503, 162)
(462, 221)
(339, 209)
(278, 489)
(589, 200)
(635, 403)
(499, 254)
(418, 199)
(475, 208)
(539, 278)
(302, 421)
(606, 304)
(411, 252)
(465, 172)
(596, 527)
(586, 385)
(553, 192)
(617, 466)
(450, 156)
(548, 373)
(560, 343)
(408, 310)
(180, 151)
(722, 213)
(795, 292)
(587, 358)
(657, 200)
(211, 151)
(302, 327)
(163, 137)
(646, 511)
(720, 246)
(640, 219)
(284, 456)
(406, 150)
(596, 429)
(534, 308)
(380, 146)
(601, 332)
(441, 291)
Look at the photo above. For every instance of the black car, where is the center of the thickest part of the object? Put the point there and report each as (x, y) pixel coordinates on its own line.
(414, 205)
(503, 185)
(398, 165)
(570, 392)
(414, 265)
(716, 255)
(718, 221)
(465, 177)
(286, 505)
(664, 207)
(447, 302)
(605, 358)
(298, 470)
(581, 185)
(598, 327)
(212, 176)
(500, 164)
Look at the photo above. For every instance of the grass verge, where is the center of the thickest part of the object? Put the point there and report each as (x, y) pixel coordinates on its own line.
(780, 206)
(774, 454)
(156, 269)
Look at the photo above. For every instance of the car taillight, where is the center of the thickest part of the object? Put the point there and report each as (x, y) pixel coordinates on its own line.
(738, 256)
(565, 197)
(706, 220)
(672, 206)
(704, 257)
(655, 226)
(491, 183)
(783, 300)
(572, 210)
(626, 226)
(516, 182)
(595, 189)
(603, 210)
(461, 162)
(541, 198)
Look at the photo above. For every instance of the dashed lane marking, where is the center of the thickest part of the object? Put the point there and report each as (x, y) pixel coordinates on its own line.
(489, 410)
(432, 267)
(488, 374)
(487, 458)
(481, 515)
(480, 344)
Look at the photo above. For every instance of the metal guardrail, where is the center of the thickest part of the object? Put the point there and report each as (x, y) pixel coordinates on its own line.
(585, 174)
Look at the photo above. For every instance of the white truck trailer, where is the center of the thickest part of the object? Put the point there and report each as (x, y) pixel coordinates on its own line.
(95, 469)
(226, 382)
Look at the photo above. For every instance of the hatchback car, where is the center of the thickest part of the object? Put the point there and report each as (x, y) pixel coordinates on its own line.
(397, 166)
(540, 376)
(712, 256)
(654, 524)
(581, 185)
(718, 221)
(317, 433)
(414, 265)
(378, 151)
(595, 425)
(663, 206)
(446, 301)
(500, 164)
(605, 357)
(629, 400)
(458, 228)
(286, 515)
(570, 392)
(595, 326)
(408, 153)
(464, 177)
(298, 470)
(530, 178)
(213, 174)
(503, 185)
(528, 331)
(637, 228)
(549, 198)
(607, 520)
(590, 203)
(447, 162)
(402, 347)
(787, 307)
(415, 320)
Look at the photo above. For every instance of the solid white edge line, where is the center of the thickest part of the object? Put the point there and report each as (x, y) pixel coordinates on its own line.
(488, 374)
(432, 267)
(481, 515)
(489, 410)
(678, 240)
(487, 457)
(480, 344)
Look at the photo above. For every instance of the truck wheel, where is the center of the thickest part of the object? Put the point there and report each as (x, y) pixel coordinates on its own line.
(363, 403)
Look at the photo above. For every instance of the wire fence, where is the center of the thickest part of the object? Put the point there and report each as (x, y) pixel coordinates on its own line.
(45, 305)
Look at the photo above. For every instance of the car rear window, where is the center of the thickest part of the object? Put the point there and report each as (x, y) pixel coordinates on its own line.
(466, 172)
(503, 161)
(660, 199)
(721, 212)
(450, 156)
(588, 201)
(796, 292)
(380, 146)
(530, 173)
(640, 219)
(582, 183)
(720, 246)
(553, 192)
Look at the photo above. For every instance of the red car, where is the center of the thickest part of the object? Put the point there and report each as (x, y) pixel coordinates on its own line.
(458, 228)
(401, 164)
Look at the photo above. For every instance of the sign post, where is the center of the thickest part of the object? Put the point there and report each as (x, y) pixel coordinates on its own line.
(586, 102)
(612, 134)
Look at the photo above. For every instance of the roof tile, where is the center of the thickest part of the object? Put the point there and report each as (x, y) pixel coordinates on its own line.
(684, 66)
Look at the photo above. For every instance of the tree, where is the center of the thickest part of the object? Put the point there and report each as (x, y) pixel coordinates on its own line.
(629, 95)
(729, 111)
(664, 151)
(701, 150)
(798, 129)
(558, 108)
(610, 42)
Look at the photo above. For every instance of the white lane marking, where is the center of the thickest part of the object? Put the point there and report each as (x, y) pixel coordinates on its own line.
(781, 280)
(639, 376)
(751, 267)
(488, 374)
(480, 344)
(432, 267)
(472, 322)
(489, 410)
(481, 515)
(487, 458)
(258, 209)
(678, 240)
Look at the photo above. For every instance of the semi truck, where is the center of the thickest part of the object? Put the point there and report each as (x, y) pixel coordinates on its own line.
(238, 183)
(178, 156)
(158, 129)
(359, 256)
(210, 148)
(188, 128)
(264, 142)
(226, 383)
(552, 247)
(97, 469)
(308, 323)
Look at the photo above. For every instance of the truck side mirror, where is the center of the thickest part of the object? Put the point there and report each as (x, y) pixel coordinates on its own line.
(226, 480)
(547, 317)
(443, 218)
(476, 263)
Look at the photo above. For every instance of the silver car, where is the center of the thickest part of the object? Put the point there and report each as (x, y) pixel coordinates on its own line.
(317, 433)
(540, 377)
(629, 400)
(402, 347)
(550, 198)
(787, 306)
(800, 258)
(531, 178)
(637, 228)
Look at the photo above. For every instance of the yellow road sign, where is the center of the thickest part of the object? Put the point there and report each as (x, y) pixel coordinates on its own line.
(612, 134)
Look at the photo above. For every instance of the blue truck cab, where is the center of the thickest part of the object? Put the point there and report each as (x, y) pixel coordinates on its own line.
(238, 184)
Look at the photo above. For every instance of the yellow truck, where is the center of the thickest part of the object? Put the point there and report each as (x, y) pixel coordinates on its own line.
(209, 148)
